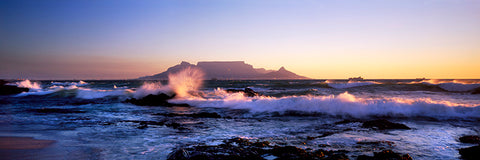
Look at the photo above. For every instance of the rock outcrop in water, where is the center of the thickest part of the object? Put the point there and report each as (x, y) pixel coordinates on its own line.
(228, 70)
(384, 155)
(470, 139)
(246, 92)
(470, 153)
(382, 124)
(155, 100)
(476, 91)
(9, 90)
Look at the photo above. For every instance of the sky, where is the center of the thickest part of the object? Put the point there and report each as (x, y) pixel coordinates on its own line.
(322, 39)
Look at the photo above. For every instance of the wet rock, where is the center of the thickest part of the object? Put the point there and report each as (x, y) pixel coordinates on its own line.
(383, 124)
(476, 91)
(239, 148)
(261, 144)
(289, 152)
(176, 125)
(323, 135)
(346, 121)
(470, 153)
(470, 139)
(247, 92)
(9, 90)
(155, 100)
(384, 155)
(142, 126)
(56, 110)
(194, 115)
(390, 143)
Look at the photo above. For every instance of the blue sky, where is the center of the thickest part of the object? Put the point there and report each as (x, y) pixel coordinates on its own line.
(117, 39)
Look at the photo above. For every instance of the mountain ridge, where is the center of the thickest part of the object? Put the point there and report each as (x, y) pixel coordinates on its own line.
(228, 70)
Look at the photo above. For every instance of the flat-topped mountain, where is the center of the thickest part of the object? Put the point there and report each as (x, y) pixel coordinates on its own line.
(228, 70)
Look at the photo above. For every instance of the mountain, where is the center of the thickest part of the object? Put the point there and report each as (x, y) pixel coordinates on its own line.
(228, 70)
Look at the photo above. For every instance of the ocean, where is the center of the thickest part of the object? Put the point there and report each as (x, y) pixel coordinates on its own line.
(90, 120)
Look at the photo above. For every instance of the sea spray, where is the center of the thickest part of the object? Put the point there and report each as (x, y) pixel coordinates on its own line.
(344, 104)
(28, 84)
(183, 84)
(151, 88)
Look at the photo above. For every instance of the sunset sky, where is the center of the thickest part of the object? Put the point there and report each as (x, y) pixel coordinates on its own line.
(324, 39)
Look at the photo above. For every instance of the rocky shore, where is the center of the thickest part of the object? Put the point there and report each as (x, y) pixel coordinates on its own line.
(240, 148)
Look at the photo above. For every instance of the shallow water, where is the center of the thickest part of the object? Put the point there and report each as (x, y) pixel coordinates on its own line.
(89, 120)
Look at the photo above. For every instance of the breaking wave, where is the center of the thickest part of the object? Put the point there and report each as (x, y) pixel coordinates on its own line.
(66, 89)
(184, 84)
(344, 104)
(452, 85)
(28, 84)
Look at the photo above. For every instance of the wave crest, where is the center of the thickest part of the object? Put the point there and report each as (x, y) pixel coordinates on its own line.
(344, 104)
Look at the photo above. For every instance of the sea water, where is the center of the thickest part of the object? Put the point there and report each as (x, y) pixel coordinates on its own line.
(91, 121)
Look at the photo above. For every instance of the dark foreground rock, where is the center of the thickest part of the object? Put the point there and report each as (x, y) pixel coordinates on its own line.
(247, 92)
(155, 100)
(383, 124)
(470, 153)
(470, 139)
(238, 148)
(9, 90)
(384, 155)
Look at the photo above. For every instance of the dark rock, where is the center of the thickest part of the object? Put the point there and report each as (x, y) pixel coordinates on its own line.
(246, 92)
(155, 100)
(194, 115)
(347, 121)
(179, 154)
(323, 135)
(175, 125)
(261, 144)
(476, 91)
(9, 90)
(470, 139)
(239, 148)
(470, 153)
(239, 141)
(338, 156)
(390, 143)
(385, 155)
(56, 110)
(289, 152)
(382, 124)
(142, 126)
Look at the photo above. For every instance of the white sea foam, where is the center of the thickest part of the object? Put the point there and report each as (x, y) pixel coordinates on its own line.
(344, 104)
(28, 84)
